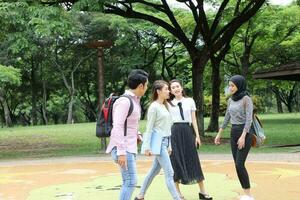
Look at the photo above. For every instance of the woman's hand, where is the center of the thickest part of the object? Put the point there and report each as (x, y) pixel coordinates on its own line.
(169, 151)
(148, 153)
(197, 141)
(218, 137)
(241, 142)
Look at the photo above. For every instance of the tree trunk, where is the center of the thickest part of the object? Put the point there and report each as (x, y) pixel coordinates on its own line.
(33, 94)
(278, 102)
(297, 98)
(198, 65)
(70, 109)
(289, 107)
(215, 106)
(71, 88)
(245, 64)
(44, 104)
(7, 116)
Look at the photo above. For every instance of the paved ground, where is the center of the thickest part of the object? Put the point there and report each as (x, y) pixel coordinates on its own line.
(273, 177)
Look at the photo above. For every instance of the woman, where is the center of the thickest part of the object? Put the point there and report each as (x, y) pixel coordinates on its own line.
(159, 120)
(184, 157)
(239, 112)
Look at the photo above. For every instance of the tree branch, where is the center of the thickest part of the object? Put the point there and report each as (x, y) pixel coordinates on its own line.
(204, 28)
(228, 31)
(158, 7)
(129, 13)
(218, 16)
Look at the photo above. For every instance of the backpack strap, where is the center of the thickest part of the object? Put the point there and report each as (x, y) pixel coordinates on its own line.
(129, 112)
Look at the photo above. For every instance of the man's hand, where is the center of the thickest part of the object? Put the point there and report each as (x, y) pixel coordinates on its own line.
(122, 161)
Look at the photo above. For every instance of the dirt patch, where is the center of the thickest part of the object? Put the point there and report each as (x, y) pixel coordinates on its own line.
(28, 144)
(211, 140)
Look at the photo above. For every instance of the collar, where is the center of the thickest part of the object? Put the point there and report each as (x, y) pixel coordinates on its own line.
(176, 101)
(128, 92)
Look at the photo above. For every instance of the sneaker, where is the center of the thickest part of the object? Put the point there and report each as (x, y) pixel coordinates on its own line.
(246, 197)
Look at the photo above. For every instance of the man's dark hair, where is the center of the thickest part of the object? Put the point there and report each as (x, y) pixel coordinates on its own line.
(137, 77)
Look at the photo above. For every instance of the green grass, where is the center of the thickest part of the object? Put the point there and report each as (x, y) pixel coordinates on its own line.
(79, 139)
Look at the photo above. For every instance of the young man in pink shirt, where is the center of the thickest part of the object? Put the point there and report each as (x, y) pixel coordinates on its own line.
(124, 148)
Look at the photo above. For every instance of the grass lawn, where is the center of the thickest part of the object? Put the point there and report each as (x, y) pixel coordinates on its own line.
(79, 139)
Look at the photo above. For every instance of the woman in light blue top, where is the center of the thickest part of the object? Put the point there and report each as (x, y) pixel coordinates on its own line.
(159, 120)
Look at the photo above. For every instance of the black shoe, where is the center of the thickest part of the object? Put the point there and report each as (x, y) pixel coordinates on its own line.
(204, 196)
(138, 198)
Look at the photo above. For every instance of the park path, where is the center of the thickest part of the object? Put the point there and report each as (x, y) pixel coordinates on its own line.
(274, 177)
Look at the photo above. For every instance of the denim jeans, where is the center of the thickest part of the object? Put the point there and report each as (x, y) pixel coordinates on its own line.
(129, 176)
(161, 161)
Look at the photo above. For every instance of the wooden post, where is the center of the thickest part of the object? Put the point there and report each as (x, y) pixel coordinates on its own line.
(100, 45)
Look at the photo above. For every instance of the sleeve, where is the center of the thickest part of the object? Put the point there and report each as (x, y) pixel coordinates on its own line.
(120, 112)
(193, 105)
(227, 116)
(249, 113)
(151, 118)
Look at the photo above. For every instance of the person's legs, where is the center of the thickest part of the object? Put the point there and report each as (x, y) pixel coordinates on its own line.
(201, 187)
(178, 189)
(149, 178)
(165, 163)
(129, 176)
(233, 143)
(240, 164)
(240, 156)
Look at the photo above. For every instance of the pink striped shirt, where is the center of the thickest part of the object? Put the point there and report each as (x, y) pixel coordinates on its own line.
(120, 112)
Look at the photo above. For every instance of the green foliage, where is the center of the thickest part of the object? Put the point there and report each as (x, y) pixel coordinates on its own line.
(9, 76)
(88, 5)
(31, 33)
(208, 104)
(51, 22)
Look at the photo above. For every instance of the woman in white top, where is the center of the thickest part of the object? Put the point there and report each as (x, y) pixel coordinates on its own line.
(184, 157)
(159, 122)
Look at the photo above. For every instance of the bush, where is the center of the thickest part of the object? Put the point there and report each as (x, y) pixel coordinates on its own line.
(257, 101)
(208, 103)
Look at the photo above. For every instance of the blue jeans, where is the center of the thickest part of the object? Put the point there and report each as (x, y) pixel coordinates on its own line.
(129, 176)
(161, 161)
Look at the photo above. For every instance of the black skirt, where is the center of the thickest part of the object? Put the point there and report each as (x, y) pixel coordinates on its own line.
(184, 157)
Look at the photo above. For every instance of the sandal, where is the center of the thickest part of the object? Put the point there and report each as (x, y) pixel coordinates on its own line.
(204, 196)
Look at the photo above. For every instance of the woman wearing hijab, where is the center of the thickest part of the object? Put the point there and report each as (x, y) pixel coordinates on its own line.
(239, 112)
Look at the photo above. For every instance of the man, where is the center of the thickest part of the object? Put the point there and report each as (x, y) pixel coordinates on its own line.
(124, 148)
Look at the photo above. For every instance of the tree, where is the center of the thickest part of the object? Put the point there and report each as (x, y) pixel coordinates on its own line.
(268, 40)
(9, 76)
(208, 36)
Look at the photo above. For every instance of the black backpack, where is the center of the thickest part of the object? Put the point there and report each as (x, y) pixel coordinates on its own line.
(104, 121)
